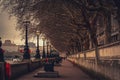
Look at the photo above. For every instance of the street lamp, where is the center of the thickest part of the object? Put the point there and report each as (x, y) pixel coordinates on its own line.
(50, 49)
(26, 54)
(0, 42)
(37, 56)
(43, 47)
(1, 52)
(47, 48)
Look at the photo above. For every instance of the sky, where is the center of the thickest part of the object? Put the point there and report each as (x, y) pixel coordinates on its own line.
(8, 30)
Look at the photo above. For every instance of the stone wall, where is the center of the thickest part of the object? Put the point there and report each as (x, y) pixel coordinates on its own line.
(109, 65)
(23, 68)
(2, 73)
(107, 51)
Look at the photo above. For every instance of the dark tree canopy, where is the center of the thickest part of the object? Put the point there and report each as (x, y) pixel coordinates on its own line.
(66, 23)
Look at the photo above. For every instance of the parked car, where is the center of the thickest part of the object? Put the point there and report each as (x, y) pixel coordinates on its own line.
(16, 59)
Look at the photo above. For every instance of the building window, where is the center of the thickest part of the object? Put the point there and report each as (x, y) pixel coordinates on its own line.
(115, 38)
(101, 43)
(102, 33)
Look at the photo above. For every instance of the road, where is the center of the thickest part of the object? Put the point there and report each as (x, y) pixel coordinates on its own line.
(67, 72)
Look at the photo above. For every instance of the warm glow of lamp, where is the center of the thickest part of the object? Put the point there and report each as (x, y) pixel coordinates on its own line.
(38, 32)
(47, 42)
(26, 22)
(43, 38)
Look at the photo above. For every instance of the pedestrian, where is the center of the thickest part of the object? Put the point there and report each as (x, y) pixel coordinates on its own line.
(1, 52)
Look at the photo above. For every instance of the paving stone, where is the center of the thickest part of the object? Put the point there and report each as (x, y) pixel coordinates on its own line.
(66, 72)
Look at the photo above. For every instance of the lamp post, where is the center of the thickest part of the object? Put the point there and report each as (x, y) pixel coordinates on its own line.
(1, 52)
(0, 42)
(26, 54)
(43, 47)
(50, 49)
(37, 56)
(47, 48)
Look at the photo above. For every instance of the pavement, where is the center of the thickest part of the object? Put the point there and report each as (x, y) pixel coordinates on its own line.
(67, 71)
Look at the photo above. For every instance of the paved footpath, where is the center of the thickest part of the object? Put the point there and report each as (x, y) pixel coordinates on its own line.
(67, 72)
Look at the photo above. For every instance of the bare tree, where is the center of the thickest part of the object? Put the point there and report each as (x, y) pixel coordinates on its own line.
(66, 23)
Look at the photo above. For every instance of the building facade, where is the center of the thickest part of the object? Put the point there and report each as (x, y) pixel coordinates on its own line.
(8, 46)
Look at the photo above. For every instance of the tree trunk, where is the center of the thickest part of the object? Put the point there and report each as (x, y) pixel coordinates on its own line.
(97, 60)
(108, 29)
(90, 43)
(83, 52)
(95, 43)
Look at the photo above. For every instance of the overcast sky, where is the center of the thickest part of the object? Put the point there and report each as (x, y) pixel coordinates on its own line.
(8, 29)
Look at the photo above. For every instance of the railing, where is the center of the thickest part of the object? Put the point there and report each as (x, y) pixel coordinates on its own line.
(23, 68)
(12, 71)
(108, 69)
(107, 51)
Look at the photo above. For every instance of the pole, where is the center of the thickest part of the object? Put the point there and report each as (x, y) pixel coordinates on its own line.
(1, 52)
(37, 56)
(44, 48)
(26, 47)
(47, 49)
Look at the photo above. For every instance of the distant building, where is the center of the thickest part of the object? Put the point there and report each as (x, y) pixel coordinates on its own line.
(102, 32)
(32, 47)
(106, 33)
(8, 43)
(8, 46)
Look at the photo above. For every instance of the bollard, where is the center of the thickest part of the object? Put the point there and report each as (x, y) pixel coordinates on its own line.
(49, 66)
(8, 71)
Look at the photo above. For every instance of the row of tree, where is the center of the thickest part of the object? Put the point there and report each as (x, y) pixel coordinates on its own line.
(70, 25)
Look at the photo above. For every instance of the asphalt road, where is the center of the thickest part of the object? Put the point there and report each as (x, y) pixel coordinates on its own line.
(67, 72)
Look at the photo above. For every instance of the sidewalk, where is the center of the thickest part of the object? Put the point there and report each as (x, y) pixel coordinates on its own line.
(67, 72)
